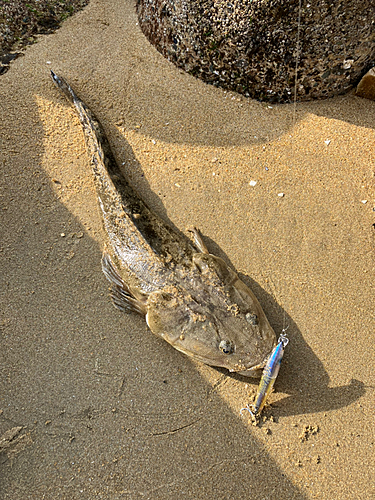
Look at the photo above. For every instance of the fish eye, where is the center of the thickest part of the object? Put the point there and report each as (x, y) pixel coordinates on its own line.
(252, 319)
(226, 347)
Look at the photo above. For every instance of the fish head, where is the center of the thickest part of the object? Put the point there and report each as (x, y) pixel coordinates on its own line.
(216, 319)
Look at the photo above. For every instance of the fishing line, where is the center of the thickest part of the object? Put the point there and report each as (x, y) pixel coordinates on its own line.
(295, 97)
(297, 61)
(271, 369)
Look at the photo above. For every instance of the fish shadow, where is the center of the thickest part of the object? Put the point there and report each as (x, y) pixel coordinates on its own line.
(302, 375)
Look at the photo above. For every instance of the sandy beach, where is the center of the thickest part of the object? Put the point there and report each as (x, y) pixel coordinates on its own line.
(92, 404)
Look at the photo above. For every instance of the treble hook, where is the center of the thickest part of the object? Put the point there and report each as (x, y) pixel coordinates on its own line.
(247, 408)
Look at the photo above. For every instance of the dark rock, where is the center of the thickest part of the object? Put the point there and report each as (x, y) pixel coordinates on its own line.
(251, 47)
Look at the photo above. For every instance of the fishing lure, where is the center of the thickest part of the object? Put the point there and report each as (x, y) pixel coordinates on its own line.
(269, 376)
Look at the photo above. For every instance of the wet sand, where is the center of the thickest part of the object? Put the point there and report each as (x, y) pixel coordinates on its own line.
(92, 404)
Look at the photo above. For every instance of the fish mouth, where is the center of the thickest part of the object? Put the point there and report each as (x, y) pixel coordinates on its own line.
(254, 371)
(240, 368)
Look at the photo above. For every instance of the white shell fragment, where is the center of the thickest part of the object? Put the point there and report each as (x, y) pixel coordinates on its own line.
(327, 142)
(364, 202)
(280, 195)
(253, 183)
(347, 64)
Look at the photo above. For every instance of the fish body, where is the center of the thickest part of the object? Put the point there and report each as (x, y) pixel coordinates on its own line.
(188, 296)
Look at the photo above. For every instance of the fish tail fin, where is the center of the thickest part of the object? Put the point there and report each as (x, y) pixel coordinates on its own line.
(102, 160)
(64, 87)
(120, 293)
(198, 240)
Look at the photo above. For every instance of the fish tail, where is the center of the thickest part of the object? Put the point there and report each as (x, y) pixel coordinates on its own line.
(139, 239)
(104, 166)
(63, 86)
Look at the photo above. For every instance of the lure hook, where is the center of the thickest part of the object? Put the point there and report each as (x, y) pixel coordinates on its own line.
(247, 408)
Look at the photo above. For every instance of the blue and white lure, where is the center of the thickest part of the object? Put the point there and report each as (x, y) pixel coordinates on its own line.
(269, 376)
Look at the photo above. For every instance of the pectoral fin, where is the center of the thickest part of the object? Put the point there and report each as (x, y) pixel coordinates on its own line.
(121, 294)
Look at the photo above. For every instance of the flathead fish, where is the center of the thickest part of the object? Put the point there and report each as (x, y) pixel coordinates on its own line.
(188, 297)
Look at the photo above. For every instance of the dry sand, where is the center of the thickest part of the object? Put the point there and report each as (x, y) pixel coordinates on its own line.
(92, 404)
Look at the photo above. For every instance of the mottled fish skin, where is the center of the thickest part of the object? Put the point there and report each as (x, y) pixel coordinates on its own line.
(189, 297)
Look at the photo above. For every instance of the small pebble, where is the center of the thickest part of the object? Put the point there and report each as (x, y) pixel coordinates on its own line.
(177, 185)
(327, 142)
(364, 202)
(253, 183)
(366, 87)
(62, 235)
(280, 195)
